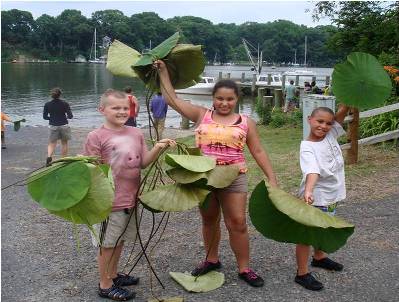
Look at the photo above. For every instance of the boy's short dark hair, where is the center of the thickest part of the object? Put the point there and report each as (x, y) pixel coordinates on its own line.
(56, 93)
(324, 109)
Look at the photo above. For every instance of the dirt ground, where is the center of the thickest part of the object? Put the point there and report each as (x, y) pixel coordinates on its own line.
(41, 261)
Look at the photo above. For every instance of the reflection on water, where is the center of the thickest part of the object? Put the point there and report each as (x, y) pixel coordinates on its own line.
(25, 88)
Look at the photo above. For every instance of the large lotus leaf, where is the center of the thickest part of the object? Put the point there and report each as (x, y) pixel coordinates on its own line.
(192, 163)
(81, 158)
(17, 124)
(361, 81)
(44, 171)
(96, 205)
(159, 52)
(285, 218)
(121, 58)
(174, 197)
(201, 284)
(62, 188)
(185, 64)
(218, 177)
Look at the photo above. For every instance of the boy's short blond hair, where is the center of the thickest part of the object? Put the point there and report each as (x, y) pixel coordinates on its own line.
(111, 92)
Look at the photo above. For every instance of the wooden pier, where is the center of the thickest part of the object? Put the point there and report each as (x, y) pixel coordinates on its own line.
(248, 86)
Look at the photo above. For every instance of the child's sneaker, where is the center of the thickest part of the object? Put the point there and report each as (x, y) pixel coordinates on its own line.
(251, 278)
(206, 267)
(309, 282)
(328, 264)
(48, 161)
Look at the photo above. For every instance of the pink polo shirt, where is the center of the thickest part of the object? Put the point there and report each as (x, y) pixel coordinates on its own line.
(123, 150)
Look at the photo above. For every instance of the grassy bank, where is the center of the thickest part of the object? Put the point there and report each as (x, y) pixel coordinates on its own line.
(373, 177)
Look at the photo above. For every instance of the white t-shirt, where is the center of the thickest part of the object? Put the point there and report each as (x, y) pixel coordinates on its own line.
(324, 158)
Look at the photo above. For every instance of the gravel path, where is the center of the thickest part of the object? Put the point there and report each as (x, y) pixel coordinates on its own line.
(41, 262)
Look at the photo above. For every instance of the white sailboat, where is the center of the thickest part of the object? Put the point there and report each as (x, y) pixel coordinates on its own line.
(95, 60)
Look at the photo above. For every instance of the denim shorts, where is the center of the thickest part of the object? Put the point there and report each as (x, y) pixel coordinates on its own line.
(330, 209)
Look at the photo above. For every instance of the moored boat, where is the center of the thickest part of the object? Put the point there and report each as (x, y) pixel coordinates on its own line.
(204, 86)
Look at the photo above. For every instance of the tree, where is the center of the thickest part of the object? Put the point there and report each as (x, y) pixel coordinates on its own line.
(368, 26)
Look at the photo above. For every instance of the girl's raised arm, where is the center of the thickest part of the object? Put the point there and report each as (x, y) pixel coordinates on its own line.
(190, 111)
(259, 154)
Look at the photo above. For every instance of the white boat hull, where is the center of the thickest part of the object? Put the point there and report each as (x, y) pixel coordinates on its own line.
(195, 90)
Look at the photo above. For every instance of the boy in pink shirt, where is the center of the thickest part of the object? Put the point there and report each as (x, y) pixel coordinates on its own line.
(124, 149)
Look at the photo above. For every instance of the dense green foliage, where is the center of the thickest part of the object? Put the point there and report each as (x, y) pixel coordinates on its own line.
(70, 34)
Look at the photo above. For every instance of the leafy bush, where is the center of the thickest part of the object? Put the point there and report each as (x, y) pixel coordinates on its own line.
(264, 112)
(291, 119)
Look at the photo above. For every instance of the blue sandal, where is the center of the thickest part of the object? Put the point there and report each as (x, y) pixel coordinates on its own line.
(116, 293)
(125, 280)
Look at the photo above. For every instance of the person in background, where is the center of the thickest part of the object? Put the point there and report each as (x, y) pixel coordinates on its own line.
(323, 183)
(307, 88)
(315, 88)
(158, 108)
(290, 94)
(57, 112)
(134, 107)
(4, 117)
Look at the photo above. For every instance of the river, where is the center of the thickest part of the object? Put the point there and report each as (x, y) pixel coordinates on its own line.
(25, 88)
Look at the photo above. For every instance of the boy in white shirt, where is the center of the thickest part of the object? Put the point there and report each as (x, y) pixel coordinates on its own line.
(323, 183)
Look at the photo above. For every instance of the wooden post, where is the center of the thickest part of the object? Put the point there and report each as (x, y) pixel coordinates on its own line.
(220, 75)
(261, 92)
(269, 78)
(243, 77)
(278, 97)
(267, 104)
(228, 75)
(327, 80)
(253, 87)
(353, 136)
(297, 80)
(185, 122)
(283, 79)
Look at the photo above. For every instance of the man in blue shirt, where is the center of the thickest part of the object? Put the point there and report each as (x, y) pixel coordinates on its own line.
(158, 108)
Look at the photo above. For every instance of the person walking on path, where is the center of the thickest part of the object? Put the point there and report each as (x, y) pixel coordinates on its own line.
(323, 183)
(125, 150)
(4, 117)
(290, 94)
(223, 134)
(134, 108)
(57, 112)
(159, 108)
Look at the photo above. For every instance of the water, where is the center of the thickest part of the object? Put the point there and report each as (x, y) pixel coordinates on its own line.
(25, 88)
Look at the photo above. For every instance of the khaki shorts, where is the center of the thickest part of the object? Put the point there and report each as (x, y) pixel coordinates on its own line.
(59, 132)
(109, 231)
(239, 185)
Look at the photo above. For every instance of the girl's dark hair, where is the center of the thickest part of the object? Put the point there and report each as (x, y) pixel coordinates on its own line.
(128, 89)
(325, 109)
(55, 93)
(226, 84)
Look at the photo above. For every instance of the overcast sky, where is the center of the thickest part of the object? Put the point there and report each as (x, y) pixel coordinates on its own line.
(236, 12)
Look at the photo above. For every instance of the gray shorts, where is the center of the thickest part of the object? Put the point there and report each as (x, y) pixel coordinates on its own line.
(239, 185)
(59, 132)
(108, 232)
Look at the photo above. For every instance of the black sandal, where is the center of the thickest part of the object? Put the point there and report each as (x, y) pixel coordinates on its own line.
(116, 293)
(125, 280)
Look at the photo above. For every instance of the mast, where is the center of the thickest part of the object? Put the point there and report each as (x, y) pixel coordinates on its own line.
(258, 65)
(295, 58)
(95, 44)
(306, 42)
